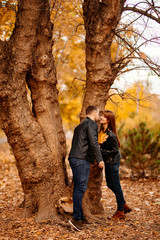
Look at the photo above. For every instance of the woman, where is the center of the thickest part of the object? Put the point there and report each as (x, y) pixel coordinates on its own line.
(109, 144)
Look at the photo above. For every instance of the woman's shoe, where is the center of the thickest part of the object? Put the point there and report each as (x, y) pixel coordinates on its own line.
(127, 209)
(118, 215)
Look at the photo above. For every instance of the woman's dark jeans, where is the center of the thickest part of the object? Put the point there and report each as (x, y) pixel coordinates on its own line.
(80, 170)
(113, 182)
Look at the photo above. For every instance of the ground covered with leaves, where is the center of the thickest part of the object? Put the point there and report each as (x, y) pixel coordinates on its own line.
(142, 195)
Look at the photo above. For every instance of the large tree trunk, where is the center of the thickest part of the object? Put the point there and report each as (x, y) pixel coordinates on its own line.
(100, 19)
(34, 132)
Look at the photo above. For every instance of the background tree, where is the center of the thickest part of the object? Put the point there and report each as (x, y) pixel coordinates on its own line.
(69, 52)
(140, 149)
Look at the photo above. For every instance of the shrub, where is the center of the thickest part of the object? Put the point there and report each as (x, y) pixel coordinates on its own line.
(140, 149)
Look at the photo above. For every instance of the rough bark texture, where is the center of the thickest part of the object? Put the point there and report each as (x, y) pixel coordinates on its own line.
(100, 18)
(92, 201)
(34, 132)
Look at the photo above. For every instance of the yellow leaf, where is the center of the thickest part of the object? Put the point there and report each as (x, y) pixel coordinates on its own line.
(136, 222)
(143, 55)
(102, 137)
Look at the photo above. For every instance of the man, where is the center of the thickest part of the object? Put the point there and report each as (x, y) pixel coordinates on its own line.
(84, 150)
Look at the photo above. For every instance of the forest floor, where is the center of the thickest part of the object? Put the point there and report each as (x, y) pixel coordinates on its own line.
(143, 222)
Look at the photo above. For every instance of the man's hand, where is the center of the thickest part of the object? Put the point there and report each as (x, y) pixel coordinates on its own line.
(101, 164)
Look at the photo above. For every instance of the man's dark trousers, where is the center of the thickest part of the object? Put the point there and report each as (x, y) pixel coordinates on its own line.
(80, 170)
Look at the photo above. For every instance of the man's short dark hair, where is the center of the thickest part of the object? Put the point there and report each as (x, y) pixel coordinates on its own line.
(90, 109)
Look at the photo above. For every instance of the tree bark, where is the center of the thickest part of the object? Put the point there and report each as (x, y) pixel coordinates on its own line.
(100, 19)
(34, 133)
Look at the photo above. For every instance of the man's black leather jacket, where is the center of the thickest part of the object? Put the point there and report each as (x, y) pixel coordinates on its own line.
(110, 149)
(85, 142)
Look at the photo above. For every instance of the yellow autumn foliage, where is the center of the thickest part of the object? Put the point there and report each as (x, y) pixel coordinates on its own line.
(136, 106)
(7, 18)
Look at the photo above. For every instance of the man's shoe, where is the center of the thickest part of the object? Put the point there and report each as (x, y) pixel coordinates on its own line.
(76, 224)
(118, 215)
(127, 209)
(85, 221)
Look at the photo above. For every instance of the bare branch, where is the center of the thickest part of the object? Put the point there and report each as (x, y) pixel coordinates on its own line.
(146, 60)
(142, 12)
(126, 96)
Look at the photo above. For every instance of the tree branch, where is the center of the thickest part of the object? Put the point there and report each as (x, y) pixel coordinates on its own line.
(147, 61)
(142, 12)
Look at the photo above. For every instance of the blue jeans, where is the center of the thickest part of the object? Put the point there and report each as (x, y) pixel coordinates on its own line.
(80, 170)
(113, 182)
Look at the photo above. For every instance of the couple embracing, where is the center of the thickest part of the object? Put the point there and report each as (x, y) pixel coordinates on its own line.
(88, 145)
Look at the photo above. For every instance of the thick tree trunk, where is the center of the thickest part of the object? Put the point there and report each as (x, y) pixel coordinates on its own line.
(35, 134)
(100, 19)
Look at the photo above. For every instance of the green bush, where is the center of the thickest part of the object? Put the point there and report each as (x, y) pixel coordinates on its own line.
(140, 149)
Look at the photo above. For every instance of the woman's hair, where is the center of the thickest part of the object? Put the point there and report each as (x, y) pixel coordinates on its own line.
(111, 122)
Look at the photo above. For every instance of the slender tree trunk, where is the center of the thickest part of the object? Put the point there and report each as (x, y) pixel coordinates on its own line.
(100, 19)
(34, 133)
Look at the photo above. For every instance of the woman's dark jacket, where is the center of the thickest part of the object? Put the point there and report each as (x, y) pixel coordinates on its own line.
(110, 149)
(85, 142)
